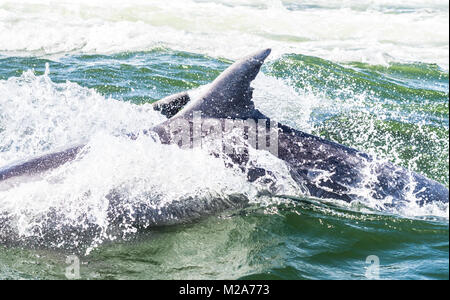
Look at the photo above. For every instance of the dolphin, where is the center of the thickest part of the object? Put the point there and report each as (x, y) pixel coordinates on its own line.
(324, 169)
(321, 168)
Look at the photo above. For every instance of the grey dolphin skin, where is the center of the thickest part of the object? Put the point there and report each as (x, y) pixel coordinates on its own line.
(309, 158)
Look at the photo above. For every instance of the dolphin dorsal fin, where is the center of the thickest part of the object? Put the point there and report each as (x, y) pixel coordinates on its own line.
(230, 94)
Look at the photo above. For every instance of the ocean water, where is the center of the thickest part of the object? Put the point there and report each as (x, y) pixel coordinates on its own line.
(373, 75)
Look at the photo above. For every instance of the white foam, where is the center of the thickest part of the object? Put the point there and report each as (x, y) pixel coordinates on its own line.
(369, 31)
(285, 104)
(39, 116)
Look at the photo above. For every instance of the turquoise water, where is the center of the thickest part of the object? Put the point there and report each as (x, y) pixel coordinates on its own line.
(69, 89)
